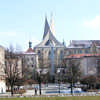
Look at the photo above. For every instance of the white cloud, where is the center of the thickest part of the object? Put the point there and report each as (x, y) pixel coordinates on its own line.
(94, 23)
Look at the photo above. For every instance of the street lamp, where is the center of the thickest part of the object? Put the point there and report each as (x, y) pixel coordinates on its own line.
(71, 81)
(58, 72)
(52, 63)
(39, 80)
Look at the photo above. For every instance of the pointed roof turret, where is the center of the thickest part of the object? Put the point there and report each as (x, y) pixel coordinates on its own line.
(29, 50)
(46, 28)
(30, 44)
(52, 25)
(64, 44)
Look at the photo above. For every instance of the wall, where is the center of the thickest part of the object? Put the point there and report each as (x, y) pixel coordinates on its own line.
(2, 72)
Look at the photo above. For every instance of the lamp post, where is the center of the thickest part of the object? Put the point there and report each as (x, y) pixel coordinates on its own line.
(59, 80)
(71, 81)
(59, 84)
(52, 64)
(39, 80)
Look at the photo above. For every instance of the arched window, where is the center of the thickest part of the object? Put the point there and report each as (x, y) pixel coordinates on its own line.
(61, 55)
(49, 54)
(80, 51)
(39, 53)
(47, 43)
(86, 51)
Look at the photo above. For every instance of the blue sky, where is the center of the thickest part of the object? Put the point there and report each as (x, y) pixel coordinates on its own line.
(23, 20)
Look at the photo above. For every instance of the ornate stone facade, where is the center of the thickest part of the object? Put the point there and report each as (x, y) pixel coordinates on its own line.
(50, 51)
(83, 47)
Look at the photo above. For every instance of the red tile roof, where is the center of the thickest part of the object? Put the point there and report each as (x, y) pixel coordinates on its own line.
(30, 50)
(81, 55)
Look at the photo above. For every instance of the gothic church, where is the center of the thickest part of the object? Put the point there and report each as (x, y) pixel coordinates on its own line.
(50, 51)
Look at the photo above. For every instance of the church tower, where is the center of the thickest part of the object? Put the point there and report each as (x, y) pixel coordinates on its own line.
(50, 50)
(46, 28)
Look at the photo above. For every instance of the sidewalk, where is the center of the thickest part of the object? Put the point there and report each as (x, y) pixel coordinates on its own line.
(31, 93)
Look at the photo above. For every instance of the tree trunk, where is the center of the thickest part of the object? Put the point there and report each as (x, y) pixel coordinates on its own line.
(40, 88)
(12, 90)
(39, 80)
(71, 88)
(59, 87)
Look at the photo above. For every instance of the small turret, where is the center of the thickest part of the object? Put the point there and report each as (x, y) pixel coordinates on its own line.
(30, 44)
(64, 44)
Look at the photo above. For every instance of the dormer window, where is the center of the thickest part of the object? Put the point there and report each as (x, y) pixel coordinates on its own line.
(49, 42)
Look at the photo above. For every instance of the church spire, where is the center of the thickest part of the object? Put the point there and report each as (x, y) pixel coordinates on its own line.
(52, 25)
(30, 44)
(64, 44)
(46, 27)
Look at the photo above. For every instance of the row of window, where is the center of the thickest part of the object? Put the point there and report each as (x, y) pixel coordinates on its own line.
(49, 54)
(30, 65)
(80, 51)
(30, 59)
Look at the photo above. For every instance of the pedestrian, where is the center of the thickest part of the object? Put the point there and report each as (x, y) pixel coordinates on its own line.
(35, 91)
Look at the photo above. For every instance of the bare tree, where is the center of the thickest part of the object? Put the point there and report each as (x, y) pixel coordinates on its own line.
(12, 69)
(73, 72)
(90, 81)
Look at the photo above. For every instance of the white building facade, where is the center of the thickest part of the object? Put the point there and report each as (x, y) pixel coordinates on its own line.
(2, 71)
(30, 61)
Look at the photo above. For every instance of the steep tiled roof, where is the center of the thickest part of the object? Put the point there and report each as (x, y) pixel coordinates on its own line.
(29, 51)
(48, 38)
(46, 28)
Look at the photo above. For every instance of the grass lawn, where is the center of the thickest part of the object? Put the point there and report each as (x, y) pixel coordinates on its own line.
(56, 98)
